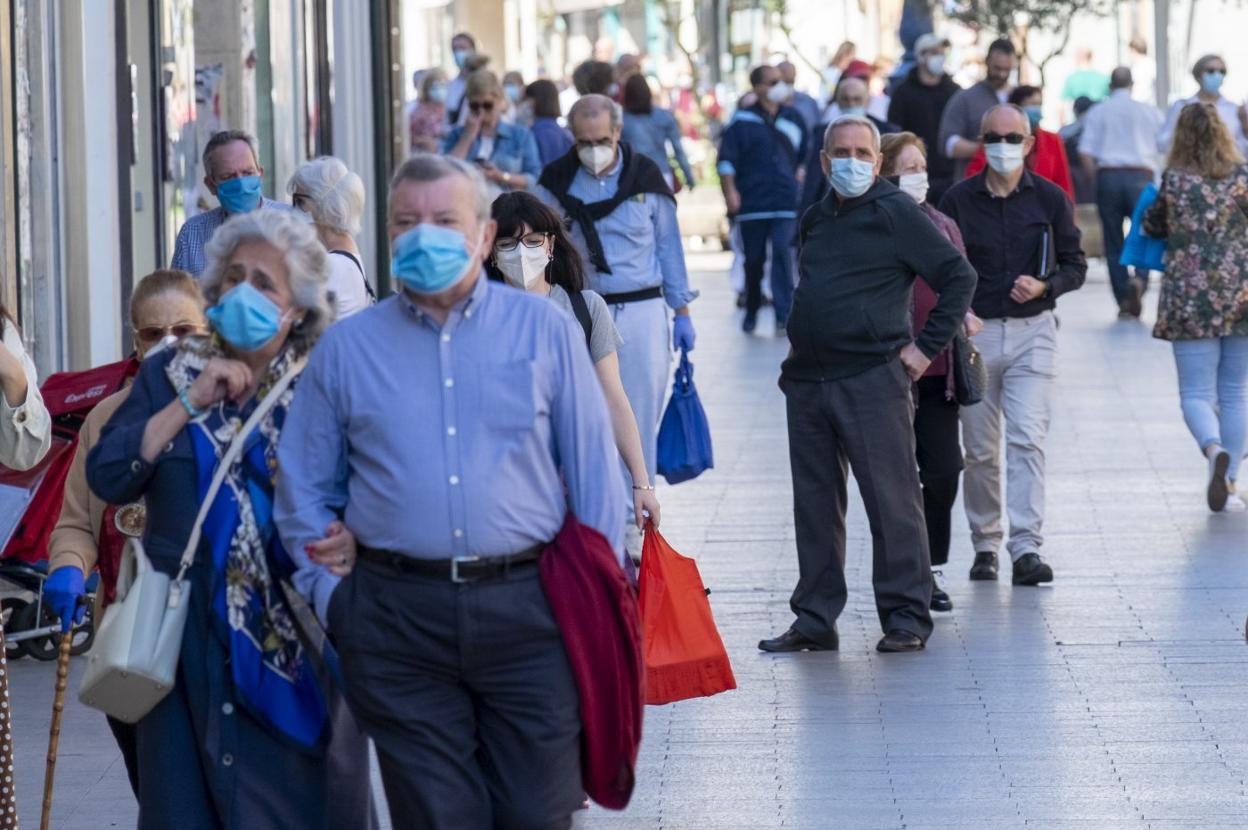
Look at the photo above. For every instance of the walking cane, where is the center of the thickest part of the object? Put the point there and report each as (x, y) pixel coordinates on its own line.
(54, 733)
(8, 798)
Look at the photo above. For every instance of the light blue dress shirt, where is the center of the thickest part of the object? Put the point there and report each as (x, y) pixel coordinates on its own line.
(651, 133)
(640, 238)
(447, 441)
(188, 250)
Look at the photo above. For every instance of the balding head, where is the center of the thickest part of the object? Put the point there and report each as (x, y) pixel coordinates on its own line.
(1121, 78)
(788, 72)
(1004, 119)
(852, 95)
(592, 107)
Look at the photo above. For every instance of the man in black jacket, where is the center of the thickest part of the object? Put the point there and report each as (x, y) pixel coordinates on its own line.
(919, 101)
(1021, 237)
(848, 385)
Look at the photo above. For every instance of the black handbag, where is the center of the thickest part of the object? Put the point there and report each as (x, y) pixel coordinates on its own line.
(970, 375)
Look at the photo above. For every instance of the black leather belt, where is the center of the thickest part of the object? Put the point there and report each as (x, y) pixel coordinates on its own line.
(460, 569)
(652, 293)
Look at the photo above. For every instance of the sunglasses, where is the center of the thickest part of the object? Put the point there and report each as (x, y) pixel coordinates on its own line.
(478, 106)
(531, 240)
(150, 334)
(1008, 138)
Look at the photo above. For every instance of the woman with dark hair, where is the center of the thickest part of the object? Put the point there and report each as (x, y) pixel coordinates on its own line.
(649, 130)
(1048, 158)
(25, 426)
(532, 252)
(553, 141)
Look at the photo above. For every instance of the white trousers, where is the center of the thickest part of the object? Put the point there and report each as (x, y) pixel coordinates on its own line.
(1021, 359)
(645, 365)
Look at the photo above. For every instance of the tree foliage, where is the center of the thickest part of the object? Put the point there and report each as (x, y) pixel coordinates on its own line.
(1018, 19)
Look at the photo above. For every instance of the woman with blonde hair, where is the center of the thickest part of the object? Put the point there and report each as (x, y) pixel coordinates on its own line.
(506, 153)
(333, 196)
(1202, 210)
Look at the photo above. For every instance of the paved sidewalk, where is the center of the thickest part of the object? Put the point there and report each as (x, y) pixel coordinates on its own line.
(1112, 699)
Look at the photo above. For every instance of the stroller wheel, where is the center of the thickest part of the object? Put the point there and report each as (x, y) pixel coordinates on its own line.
(40, 648)
(10, 609)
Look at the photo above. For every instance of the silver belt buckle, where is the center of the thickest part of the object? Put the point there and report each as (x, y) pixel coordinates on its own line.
(455, 577)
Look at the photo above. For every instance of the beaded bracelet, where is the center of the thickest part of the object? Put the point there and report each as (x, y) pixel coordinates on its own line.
(185, 399)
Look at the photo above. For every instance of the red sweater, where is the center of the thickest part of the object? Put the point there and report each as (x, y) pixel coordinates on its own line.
(1047, 160)
(925, 297)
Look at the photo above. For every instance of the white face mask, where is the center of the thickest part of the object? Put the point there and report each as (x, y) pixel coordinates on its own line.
(524, 266)
(914, 185)
(596, 159)
(935, 64)
(1004, 158)
(780, 93)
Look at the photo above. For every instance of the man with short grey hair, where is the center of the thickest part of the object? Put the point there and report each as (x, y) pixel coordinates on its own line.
(622, 217)
(451, 428)
(233, 174)
(848, 384)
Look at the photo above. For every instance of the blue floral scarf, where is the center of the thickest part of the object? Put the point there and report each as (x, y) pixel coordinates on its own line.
(271, 674)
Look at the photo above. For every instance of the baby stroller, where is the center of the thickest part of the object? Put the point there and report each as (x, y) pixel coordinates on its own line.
(30, 505)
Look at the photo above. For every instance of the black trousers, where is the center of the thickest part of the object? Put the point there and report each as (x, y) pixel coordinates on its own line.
(939, 454)
(467, 694)
(864, 422)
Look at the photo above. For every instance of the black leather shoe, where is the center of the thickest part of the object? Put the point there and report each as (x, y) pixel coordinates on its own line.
(794, 640)
(1031, 570)
(898, 640)
(940, 599)
(985, 566)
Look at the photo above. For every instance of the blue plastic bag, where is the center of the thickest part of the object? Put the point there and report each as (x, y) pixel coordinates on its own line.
(684, 443)
(1138, 250)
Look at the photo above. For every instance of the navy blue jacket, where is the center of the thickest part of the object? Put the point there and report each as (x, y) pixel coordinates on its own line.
(764, 154)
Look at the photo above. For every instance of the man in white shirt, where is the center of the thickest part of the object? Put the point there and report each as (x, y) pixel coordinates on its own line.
(1118, 146)
(1209, 72)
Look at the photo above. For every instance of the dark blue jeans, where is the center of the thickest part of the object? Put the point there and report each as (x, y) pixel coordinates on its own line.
(755, 234)
(1116, 194)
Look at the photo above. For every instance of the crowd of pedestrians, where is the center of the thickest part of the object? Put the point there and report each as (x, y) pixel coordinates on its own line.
(414, 455)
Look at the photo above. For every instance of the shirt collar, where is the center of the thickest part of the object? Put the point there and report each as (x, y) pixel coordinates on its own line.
(464, 308)
(981, 184)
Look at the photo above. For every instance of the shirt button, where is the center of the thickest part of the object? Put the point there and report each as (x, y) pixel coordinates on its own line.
(227, 708)
(169, 447)
(468, 313)
(454, 480)
(21, 417)
(451, 431)
(458, 533)
(227, 760)
(449, 382)
(446, 338)
(135, 466)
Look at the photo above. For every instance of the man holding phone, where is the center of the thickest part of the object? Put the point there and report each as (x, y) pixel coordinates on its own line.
(1021, 238)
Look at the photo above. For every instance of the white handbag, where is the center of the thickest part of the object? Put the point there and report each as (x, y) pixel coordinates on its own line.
(134, 661)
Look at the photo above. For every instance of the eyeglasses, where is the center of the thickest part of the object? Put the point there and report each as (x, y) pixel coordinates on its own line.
(296, 198)
(478, 106)
(1008, 138)
(150, 334)
(530, 240)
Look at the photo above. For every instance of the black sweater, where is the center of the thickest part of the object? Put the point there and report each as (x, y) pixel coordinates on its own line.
(917, 107)
(858, 262)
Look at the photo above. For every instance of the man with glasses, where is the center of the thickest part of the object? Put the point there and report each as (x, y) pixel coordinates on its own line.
(1021, 237)
(233, 174)
(622, 218)
(962, 116)
(1209, 72)
(760, 155)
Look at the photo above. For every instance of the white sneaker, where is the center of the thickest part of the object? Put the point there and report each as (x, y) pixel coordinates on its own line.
(1234, 504)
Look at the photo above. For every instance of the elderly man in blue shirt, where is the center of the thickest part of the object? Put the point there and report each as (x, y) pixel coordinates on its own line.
(450, 428)
(233, 174)
(622, 216)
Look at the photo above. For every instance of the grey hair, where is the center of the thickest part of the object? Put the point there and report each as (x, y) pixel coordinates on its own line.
(594, 105)
(852, 120)
(337, 194)
(983, 122)
(427, 167)
(306, 262)
(223, 138)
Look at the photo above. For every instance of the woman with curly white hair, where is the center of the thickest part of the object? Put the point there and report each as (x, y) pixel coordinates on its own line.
(333, 196)
(250, 736)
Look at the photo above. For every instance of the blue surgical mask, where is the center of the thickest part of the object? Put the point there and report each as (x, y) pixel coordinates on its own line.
(1034, 113)
(861, 112)
(245, 318)
(429, 259)
(239, 195)
(851, 177)
(513, 92)
(437, 93)
(1211, 82)
(461, 56)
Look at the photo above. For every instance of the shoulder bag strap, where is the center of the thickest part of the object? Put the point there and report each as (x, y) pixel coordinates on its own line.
(581, 309)
(231, 455)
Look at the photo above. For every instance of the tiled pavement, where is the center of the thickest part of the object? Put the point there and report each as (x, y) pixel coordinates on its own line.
(1113, 699)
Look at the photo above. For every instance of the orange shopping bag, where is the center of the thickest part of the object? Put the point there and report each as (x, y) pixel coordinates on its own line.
(684, 655)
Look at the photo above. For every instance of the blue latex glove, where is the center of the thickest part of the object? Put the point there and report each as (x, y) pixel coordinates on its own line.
(62, 592)
(683, 336)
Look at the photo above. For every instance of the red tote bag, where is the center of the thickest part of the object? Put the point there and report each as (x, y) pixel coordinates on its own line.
(685, 656)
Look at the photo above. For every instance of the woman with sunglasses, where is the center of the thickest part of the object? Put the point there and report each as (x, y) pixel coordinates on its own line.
(164, 304)
(1047, 158)
(506, 153)
(532, 252)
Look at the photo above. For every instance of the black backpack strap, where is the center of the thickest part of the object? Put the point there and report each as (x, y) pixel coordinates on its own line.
(581, 309)
(367, 287)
